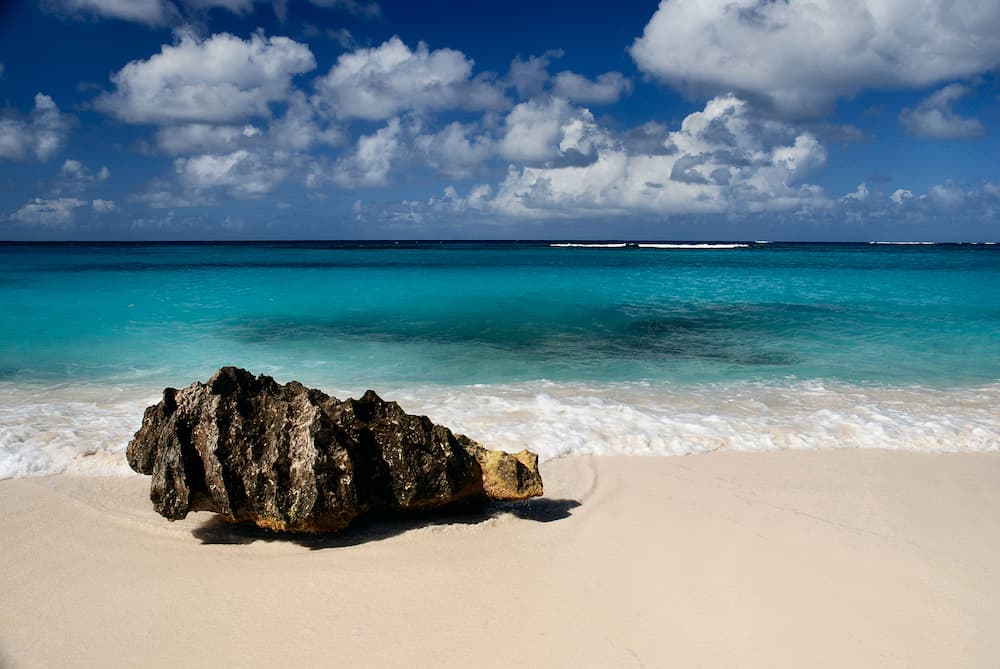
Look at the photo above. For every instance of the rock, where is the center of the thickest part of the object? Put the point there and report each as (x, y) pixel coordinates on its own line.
(287, 457)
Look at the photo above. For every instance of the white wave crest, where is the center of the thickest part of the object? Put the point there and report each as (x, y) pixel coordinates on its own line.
(693, 246)
(905, 243)
(85, 430)
(80, 430)
(625, 419)
(574, 245)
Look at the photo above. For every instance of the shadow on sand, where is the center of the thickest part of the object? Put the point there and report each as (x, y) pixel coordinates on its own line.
(217, 530)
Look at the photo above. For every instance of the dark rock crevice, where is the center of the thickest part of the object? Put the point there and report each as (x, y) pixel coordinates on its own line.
(287, 457)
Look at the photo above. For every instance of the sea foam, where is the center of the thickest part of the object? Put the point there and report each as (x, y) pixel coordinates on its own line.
(693, 246)
(904, 243)
(576, 245)
(85, 430)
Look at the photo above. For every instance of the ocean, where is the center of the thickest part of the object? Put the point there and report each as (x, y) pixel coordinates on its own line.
(559, 347)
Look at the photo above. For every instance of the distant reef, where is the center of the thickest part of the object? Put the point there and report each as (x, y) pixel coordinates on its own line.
(292, 458)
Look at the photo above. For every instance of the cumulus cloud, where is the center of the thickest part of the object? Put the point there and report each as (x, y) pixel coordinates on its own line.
(530, 77)
(241, 173)
(935, 119)
(900, 195)
(457, 150)
(800, 55)
(80, 175)
(247, 160)
(103, 206)
(722, 159)
(372, 158)
(222, 79)
(203, 137)
(54, 212)
(300, 127)
(163, 194)
(860, 194)
(606, 89)
(454, 203)
(379, 83)
(948, 194)
(544, 129)
(964, 211)
(38, 136)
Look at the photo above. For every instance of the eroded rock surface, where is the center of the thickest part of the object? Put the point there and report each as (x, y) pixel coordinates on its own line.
(287, 457)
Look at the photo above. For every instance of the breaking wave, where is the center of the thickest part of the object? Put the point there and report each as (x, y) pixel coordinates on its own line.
(84, 430)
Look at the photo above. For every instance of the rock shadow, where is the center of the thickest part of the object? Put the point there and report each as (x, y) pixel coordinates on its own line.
(218, 531)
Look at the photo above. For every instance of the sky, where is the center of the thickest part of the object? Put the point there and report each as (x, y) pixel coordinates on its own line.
(839, 120)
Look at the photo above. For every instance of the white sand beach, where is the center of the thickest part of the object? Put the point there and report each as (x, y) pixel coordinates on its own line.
(785, 559)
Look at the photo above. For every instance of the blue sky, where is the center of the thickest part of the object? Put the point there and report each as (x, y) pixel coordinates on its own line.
(364, 119)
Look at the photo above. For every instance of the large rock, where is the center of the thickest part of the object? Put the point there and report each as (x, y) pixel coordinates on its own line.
(289, 457)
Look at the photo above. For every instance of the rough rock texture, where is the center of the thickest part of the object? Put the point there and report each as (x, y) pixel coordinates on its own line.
(289, 457)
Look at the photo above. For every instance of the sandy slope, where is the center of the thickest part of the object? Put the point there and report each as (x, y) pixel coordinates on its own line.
(833, 558)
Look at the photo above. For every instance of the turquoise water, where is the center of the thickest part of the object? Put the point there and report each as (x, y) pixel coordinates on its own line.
(475, 313)
(93, 325)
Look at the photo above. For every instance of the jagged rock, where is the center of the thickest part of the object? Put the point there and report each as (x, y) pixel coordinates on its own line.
(289, 457)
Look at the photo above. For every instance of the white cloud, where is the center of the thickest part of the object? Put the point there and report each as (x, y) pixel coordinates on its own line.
(150, 12)
(160, 194)
(300, 128)
(39, 136)
(80, 176)
(165, 12)
(381, 82)
(239, 160)
(947, 194)
(801, 55)
(965, 212)
(241, 173)
(42, 211)
(860, 194)
(103, 206)
(606, 89)
(900, 195)
(372, 158)
(544, 129)
(722, 159)
(452, 202)
(202, 137)
(530, 77)
(222, 79)
(455, 150)
(934, 118)
(73, 169)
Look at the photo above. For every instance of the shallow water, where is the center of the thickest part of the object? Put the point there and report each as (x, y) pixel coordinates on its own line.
(563, 349)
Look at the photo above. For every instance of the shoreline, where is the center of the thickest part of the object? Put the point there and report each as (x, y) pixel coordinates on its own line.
(83, 430)
(788, 558)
